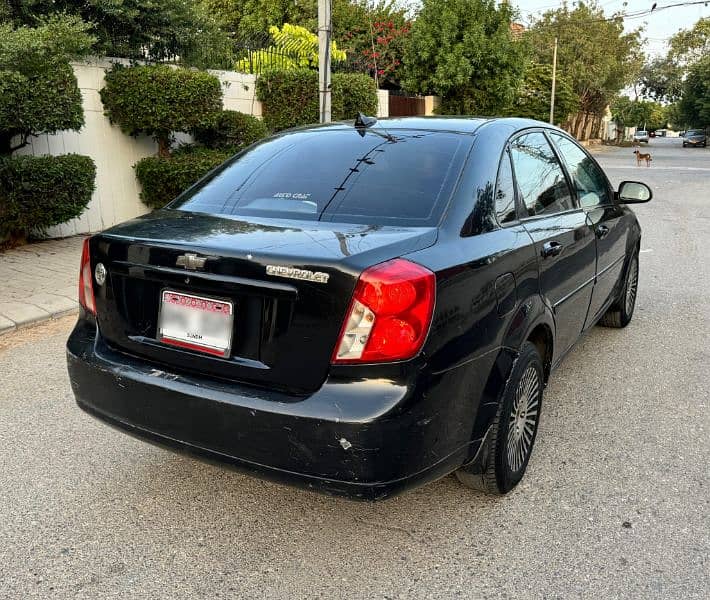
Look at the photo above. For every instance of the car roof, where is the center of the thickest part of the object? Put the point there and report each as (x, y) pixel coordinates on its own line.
(458, 124)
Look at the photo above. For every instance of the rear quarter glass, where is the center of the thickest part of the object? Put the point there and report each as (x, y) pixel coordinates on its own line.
(400, 177)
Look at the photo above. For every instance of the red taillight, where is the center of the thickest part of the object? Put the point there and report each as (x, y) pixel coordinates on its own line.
(389, 315)
(86, 286)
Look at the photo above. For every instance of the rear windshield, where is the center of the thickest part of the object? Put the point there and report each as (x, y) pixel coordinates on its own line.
(372, 176)
(641, 133)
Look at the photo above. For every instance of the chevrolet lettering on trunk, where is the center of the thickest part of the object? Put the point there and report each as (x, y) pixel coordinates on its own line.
(293, 273)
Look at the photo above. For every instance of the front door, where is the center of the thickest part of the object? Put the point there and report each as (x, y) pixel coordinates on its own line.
(605, 217)
(564, 242)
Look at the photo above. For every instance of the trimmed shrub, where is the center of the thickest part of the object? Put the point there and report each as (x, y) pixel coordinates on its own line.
(353, 93)
(37, 192)
(163, 178)
(290, 98)
(158, 100)
(231, 131)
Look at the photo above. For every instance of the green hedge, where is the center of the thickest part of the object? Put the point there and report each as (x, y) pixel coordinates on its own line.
(37, 192)
(231, 131)
(158, 100)
(163, 179)
(290, 98)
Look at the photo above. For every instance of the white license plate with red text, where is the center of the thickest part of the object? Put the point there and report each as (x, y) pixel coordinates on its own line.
(196, 322)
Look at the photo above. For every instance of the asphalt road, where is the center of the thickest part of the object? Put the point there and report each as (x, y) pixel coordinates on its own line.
(614, 505)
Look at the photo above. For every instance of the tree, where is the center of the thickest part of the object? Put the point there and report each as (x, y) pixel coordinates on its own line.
(38, 89)
(374, 35)
(661, 79)
(639, 113)
(464, 51)
(594, 53)
(294, 47)
(694, 106)
(139, 29)
(249, 19)
(533, 100)
(690, 45)
(158, 100)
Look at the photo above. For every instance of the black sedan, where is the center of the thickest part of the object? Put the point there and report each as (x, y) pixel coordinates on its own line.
(359, 309)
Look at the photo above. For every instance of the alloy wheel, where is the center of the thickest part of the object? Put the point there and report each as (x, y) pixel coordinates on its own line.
(632, 286)
(523, 418)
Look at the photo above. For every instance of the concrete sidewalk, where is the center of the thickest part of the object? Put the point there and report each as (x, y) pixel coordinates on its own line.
(39, 281)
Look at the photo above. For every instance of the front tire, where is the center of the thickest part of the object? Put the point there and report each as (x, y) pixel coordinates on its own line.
(513, 431)
(620, 313)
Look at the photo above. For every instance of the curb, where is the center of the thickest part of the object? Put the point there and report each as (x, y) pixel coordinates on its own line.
(7, 326)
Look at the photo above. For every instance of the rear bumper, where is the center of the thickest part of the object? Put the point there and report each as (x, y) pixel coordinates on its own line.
(364, 439)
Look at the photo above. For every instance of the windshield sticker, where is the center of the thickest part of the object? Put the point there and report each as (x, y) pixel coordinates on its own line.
(294, 195)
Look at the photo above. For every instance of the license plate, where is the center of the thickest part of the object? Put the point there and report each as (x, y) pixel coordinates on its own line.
(196, 322)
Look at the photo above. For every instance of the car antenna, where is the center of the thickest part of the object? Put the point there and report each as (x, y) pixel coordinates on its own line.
(363, 121)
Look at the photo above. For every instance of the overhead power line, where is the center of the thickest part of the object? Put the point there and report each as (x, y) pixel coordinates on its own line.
(639, 14)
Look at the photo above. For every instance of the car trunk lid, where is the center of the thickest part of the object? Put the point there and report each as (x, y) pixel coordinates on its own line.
(290, 283)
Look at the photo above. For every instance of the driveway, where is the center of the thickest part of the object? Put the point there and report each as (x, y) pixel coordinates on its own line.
(614, 505)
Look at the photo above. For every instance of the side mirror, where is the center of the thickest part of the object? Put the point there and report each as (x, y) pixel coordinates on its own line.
(634, 192)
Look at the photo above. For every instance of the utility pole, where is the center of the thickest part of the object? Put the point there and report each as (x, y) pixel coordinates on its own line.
(554, 82)
(324, 32)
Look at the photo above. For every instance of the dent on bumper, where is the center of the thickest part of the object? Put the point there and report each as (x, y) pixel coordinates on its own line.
(365, 439)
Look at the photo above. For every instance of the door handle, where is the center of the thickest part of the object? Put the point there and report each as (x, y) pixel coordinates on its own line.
(551, 249)
(602, 231)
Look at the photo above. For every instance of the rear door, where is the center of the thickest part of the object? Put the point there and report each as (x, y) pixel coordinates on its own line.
(563, 240)
(605, 217)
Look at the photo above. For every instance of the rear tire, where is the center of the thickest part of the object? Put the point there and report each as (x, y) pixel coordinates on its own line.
(513, 431)
(620, 313)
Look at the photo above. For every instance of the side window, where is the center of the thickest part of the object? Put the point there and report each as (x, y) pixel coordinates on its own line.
(505, 192)
(540, 178)
(588, 178)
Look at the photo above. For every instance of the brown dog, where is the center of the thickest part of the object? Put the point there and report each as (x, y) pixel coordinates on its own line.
(643, 156)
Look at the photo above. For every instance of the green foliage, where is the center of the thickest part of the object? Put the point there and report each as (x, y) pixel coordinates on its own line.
(294, 47)
(661, 79)
(163, 178)
(155, 29)
(37, 192)
(690, 45)
(231, 131)
(639, 113)
(353, 93)
(694, 106)
(533, 101)
(464, 51)
(594, 53)
(38, 88)
(249, 18)
(158, 100)
(290, 98)
(374, 36)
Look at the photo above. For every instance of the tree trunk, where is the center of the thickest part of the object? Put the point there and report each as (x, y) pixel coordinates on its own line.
(163, 146)
(5, 144)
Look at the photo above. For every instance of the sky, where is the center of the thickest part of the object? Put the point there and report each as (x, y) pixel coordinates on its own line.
(658, 26)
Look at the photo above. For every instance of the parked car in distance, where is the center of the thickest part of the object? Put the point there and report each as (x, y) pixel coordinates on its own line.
(359, 309)
(695, 137)
(641, 136)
